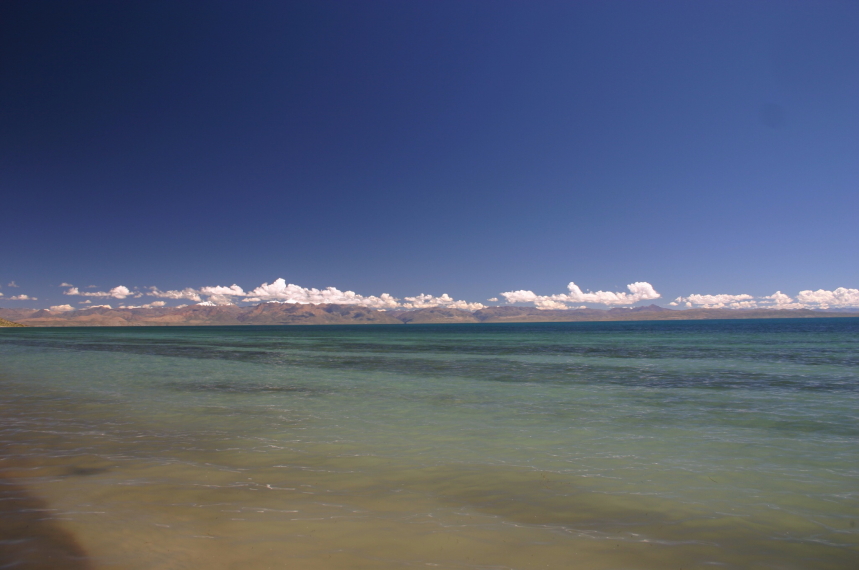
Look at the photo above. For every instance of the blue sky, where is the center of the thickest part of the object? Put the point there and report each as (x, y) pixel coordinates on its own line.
(467, 148)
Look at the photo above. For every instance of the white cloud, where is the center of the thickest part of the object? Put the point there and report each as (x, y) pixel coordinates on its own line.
(779, 300)
(550, 303)
(186, 293)
(96, 307)
(220, 295)
(1, 294)
(62, 308)
(427, 301)
(152, 305)
(638, 291)
(841, 297)
(741, 301)
(12, 284)
(520, 296)
(280, 291)
(118, 292)
(232, 290)
(820, 299)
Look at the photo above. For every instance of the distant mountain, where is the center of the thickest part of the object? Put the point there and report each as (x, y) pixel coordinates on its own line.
(206, 315)
(649, 308)
(295, 314)
(535, 315)
(16, 314)
(435, 315)
(5, 323)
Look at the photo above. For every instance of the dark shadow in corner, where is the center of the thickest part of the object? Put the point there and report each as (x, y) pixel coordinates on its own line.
(29, 539)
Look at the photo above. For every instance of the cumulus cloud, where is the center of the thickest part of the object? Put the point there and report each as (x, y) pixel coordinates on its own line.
(821, 299)
(231, 291)
(282, 292)
(279, 291)
(96, 307)
(638, 291)
(186, 293)
(118, 292)
(62, 308)
(428, 301)
(841, 297)
(779, 300)
(220, 295)
(741, 301)
(152, 305)
(64, 284)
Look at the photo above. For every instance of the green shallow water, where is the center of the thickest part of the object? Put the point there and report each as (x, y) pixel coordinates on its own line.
(575, 445)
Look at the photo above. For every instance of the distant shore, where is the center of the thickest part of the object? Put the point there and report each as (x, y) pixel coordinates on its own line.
(297, 314)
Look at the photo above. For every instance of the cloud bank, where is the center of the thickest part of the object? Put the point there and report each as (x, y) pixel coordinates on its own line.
(428, 301)
(187, 293)
(742, 301)
(279, 291)
(282, 292)
(840, 298)
(152, 305)
(638, 291)
(118, 292)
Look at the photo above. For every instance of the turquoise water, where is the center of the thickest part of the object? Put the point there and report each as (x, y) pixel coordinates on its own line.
(569, 445)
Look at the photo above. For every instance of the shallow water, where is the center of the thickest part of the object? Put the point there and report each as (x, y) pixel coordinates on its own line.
(575, 445)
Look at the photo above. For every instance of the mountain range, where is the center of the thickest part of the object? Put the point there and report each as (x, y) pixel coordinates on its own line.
(296, 314)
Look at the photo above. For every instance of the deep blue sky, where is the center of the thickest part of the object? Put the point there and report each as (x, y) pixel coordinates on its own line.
(429, 147)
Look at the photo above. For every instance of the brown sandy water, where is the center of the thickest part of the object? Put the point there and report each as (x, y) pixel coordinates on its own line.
(101, 499)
